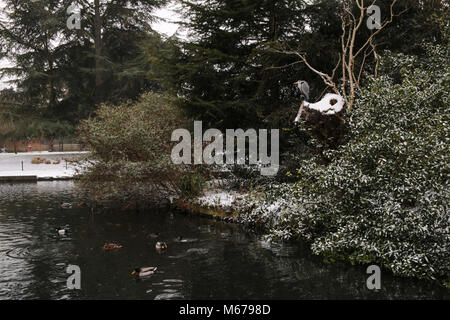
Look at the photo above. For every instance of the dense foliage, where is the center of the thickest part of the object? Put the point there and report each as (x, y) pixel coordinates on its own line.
(225, 71)
(131, 149)
(385, 196)
(230, 71)
(61, 74)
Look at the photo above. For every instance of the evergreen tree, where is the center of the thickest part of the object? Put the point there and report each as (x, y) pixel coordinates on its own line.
(62, 73)
(228, 74)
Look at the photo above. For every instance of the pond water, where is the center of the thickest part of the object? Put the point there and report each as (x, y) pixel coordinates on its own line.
(213, 260)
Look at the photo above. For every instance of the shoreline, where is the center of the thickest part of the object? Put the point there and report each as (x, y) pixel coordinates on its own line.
(42, 153)
(220, 205)
(18, 167)
(26, 178)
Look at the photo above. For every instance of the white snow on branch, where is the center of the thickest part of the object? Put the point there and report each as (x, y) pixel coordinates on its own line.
(329, 105)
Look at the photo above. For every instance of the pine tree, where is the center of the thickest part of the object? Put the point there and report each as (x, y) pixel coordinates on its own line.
(62, 73)
(228, 74)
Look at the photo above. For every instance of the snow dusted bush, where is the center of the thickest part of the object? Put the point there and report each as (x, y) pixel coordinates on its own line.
(385, 196)
(131, 148)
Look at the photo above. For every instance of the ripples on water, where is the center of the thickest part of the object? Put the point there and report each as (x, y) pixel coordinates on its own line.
(205, 259)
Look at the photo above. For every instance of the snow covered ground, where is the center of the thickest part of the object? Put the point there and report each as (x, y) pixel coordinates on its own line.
(11, 165)
(218, 198)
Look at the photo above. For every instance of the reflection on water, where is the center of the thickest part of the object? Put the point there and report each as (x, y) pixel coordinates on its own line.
(205, 259)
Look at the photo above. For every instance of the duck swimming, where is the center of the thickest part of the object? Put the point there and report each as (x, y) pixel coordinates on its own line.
(62, 231)
(153, 235)
(144, 272)
(111, 246)
(82, 204)
(66, 205)
(161, 246)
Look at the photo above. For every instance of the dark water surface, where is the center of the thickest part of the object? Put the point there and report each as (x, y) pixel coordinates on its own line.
(215, 261)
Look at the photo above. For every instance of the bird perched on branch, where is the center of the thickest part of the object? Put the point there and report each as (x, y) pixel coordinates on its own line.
(303, 86)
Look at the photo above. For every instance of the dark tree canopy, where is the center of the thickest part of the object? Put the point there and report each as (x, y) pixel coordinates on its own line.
(61, 73)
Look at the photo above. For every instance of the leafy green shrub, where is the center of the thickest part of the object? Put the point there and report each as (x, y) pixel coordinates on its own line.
(131, 146)
(191, 184)
(385, 196)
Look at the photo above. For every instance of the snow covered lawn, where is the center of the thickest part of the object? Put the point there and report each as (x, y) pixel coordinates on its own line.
(11, 165)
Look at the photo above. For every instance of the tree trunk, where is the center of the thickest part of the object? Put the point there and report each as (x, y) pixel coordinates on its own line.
(324, 120)
(50, 145)
(98, 52)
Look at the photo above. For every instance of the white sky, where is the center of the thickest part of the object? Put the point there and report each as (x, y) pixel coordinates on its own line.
(166, 25)
(169, 26)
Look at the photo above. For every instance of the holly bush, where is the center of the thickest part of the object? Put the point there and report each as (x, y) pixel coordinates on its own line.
(384, 198)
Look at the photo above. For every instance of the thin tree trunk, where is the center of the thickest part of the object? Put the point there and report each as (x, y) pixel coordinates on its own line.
(98, 51)
(52, 93)
(273, 28)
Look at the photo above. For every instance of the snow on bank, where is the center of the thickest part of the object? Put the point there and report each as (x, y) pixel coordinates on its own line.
(55, 174)
(19, 165)
(247, 207)
(219, 198)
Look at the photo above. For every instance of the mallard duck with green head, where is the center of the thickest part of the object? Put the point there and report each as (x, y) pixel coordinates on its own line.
(161, 246)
